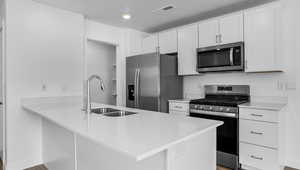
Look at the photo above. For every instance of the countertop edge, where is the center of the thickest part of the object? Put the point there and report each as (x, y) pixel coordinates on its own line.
(259, 105)
(135, 157)
(165, 147)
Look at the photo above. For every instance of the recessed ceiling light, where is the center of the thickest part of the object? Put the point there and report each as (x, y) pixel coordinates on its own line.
(126, 16)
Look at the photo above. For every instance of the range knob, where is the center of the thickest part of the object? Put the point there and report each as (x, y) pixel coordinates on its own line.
(210, 108)
(228, 109)
(221, 108)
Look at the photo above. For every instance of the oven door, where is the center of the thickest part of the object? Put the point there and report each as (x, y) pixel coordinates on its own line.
(227, 137)
(229, 57)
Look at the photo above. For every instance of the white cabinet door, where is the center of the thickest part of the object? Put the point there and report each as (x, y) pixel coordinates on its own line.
(150, 44)
(168, 41)
(208, 33)
(187, 45)
(232, 28)
(178, 106)
(260, 39)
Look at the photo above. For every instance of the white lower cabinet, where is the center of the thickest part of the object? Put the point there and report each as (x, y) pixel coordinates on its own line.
(261, 143)
(178, 108)
(259, 133)
(260, 157)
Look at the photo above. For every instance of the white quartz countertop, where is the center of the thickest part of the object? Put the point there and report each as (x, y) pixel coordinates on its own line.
(263, 105)
(181, 100)
(139, 136)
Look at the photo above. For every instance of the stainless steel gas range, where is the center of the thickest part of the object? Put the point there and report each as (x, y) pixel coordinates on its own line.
(221, 103)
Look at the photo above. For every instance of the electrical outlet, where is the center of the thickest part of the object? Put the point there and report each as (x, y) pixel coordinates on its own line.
(64, 88)
(44, 87)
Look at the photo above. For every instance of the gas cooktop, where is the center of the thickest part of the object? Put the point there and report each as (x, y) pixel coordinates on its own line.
(231, 101)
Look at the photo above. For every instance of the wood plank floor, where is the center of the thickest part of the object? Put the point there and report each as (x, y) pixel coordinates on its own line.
(42, 167)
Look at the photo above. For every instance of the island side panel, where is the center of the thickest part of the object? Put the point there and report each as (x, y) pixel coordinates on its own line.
(58, 147)
(91, 156)
(198, 153)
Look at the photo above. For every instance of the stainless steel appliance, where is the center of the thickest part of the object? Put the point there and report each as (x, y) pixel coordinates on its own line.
(221, 103)
(228, 57)
(152, 80)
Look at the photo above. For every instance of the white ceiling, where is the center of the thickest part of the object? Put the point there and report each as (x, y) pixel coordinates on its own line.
(143, 17)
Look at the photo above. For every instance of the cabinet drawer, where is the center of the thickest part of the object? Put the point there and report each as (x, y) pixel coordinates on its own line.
(260, 115)
(183, 107)
(259, 133)
(258, 157)
(174, 112)
(245, 167)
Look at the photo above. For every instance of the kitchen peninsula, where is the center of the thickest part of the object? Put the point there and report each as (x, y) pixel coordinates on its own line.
(143, 141)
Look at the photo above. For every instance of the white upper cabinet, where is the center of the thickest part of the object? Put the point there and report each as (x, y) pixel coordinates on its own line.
(168, 41)
(261, 36)
(231, 28)
(221, 30)
(150, 44)
(187, 45)
(208, 33)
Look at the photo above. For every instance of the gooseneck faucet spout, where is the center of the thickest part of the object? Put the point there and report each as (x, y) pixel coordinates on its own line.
(88, 94)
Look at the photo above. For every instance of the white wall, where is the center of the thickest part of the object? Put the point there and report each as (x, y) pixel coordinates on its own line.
(1, 110)
(2, 117)
(292, 28)
(44, 48)
(114, 36)
(127, 41)
(100, 60)
(270, 84)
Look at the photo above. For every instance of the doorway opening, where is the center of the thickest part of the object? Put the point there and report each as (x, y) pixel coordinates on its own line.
(101, 60)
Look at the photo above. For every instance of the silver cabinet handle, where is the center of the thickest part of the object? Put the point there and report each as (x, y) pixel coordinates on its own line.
(178, 107)
(217, 38)
(220, 38)
(256, 157)
(256, 133)
(256, 115)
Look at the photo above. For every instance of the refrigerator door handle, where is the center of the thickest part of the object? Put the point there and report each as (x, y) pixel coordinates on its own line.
(138, 88)
(135, 88)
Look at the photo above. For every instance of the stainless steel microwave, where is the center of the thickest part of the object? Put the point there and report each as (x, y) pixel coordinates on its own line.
(228, 57)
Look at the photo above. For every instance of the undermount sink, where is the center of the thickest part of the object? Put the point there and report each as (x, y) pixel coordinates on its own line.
(103, 110)
(111, 112)
(119, 113)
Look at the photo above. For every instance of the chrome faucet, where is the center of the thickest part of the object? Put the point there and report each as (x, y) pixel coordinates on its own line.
(88, 99)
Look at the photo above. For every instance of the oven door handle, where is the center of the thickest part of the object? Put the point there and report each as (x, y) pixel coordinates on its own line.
(231, 56)
(221, 114)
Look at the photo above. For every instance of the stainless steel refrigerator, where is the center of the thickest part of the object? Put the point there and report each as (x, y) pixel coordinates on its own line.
(152, 80)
